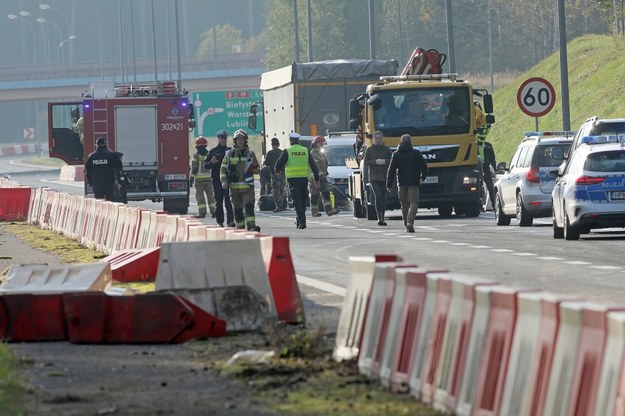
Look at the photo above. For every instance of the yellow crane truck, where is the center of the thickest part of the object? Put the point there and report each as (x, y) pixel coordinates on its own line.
(443, 114)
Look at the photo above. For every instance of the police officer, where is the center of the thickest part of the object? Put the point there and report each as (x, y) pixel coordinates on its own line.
(100, 170)
(237, 173)
(296, 162)
(489, 161)
(323, 190)
(277, 179)
(202, 178)
(213, 162)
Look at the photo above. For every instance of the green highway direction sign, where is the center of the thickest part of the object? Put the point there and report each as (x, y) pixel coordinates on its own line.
(223, 110)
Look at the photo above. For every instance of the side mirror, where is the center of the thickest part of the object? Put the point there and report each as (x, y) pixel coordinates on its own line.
(501, 167)
(554, 174)
(354, 123)
(192, 123)
(254, 108)
(490, 119)
(557, 153)
(251, 122)
(375, 101)
(487, 100)
(354, 109)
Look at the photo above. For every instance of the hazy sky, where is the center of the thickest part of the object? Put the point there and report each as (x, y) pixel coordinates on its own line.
(96, 22)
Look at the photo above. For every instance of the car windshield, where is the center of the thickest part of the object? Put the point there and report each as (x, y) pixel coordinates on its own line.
(606, 161)
(543, 157)
(336, 155)
(423, 112)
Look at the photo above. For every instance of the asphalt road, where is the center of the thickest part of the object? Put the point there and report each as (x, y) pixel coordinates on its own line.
(593, 267)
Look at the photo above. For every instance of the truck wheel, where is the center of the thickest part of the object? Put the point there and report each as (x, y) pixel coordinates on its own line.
(357, 204)
(472, 210)
(176, 205)
(445, 210)
(460, 209)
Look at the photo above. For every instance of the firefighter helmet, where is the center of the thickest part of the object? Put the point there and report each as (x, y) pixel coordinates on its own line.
(241, 133)
(101, 142)
(201, 141)
(318, 141)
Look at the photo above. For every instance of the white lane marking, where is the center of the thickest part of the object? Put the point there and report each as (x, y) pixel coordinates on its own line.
(407, 236)
(440, 241)
(423, 227)
(460, 244)
(501, 250)
(524, 254)
(479, 247)
(349, 227)
(606, 267)
(321, 285)
(375, 231)
(577, 263)
(422, 238)
(390, 234)
(361, 229)
(549, 258)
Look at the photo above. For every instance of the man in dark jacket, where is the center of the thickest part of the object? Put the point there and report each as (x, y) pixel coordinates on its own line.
(410, 167)
(489, 160)
(213, 162)
(377, 159)
(100, 170)
(277, 180)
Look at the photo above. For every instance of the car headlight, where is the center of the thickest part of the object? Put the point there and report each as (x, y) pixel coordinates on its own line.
(469, 180)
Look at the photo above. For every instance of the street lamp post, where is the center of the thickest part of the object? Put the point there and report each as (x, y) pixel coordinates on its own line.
(46, 7)
(59, 54)
(44, 21)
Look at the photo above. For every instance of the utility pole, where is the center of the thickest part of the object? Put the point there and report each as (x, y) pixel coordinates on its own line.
(154, 41)
(121, 43)
(401, 33)
(451, 54)
(296, 30)
(371, 31)
(564, 69)
(490, 50)
(178, 45)
(132, 38)
(309, 27)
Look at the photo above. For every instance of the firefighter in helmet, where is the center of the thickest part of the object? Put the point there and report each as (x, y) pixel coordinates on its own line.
(237, 174)
(202, 179)
(323, 189)
(487, 155)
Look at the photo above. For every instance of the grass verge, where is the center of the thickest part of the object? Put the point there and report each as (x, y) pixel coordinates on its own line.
(10, 388)
(70, 251)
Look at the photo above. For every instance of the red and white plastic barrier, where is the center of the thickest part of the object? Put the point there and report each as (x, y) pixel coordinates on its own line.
(72, 173)
(21, 149)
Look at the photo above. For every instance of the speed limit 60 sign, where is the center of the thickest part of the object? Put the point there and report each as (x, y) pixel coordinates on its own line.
(536, 97)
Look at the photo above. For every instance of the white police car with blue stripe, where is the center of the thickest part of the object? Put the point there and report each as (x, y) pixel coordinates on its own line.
(590, 189)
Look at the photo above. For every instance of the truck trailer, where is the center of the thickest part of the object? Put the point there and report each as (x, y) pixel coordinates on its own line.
(312, 98)
(148, 123)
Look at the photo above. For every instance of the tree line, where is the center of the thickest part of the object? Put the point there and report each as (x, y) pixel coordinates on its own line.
(523, 32)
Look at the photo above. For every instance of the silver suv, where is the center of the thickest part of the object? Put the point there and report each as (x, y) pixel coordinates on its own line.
(524, 189)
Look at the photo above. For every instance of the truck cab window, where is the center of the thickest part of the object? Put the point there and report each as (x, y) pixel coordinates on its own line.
(66, 131)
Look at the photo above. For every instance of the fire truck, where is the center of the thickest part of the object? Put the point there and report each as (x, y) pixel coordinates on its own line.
(443, 114)
(148, 123)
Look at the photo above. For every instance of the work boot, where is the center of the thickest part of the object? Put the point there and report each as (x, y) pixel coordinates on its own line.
(253, 228)
(301, 226)
(221, 224)
(316, 214)
(381, 221)
(200, 216)
(332, 212)
(232, 225)
(409, 228)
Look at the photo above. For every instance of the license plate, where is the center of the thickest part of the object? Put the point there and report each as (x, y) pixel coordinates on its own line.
(175, 177)
(617, 195)
(431, 179)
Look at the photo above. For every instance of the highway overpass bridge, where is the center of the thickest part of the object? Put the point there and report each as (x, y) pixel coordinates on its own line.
(68, 81)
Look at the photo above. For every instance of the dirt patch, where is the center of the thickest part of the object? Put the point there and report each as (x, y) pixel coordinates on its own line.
(10, 388)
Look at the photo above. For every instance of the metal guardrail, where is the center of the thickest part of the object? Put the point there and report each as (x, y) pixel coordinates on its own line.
(110, 69)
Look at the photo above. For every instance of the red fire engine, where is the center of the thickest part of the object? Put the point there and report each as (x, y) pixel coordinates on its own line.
(149, 124)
